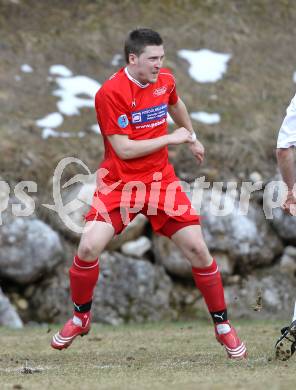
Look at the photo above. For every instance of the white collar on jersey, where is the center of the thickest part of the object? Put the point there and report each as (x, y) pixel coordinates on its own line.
(134, 80)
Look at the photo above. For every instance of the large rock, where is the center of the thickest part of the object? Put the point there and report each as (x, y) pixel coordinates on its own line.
(167, 254)
(29, 248)
(234, 239)
(285, 225)
(136, 248)
(247, 239)
(274, 196)
(132, 290)
(128, 291)
(288, 261)
(51, 300)
(268, 294)
(71, 201)
(8, 315)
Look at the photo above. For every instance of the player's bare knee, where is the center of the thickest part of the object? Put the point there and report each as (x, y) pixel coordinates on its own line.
(88, 251)
(199, 254)
(198, 249)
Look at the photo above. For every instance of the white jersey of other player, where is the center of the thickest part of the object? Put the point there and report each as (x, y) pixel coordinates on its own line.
(287, 133)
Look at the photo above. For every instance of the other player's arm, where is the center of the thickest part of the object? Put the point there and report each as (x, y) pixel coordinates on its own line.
(285, 159)
(286, 164)
(181, 117)
(285, 154)
(127, 149)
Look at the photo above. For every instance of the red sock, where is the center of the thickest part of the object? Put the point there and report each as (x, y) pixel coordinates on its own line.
(208, 281)
(83, 279)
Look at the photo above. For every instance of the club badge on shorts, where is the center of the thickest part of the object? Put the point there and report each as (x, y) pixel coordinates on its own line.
(122, 121)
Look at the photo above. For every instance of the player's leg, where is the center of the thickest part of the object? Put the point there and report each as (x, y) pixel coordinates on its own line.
(84, 274)
(190, 241)
(286, 344)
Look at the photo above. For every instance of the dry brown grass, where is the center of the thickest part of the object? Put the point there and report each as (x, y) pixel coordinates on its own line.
(160, 356)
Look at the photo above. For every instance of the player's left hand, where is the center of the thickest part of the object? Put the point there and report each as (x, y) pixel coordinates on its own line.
(197, 150)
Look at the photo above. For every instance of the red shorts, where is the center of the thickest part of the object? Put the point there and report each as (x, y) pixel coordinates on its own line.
(164, 203)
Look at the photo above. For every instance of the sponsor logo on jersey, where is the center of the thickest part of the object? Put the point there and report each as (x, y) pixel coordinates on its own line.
(136, 117)
(151, 125)
(150, 114)
(160, 91)
(122, 121)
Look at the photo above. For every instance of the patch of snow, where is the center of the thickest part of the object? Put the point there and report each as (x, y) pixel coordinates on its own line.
(205, 117)
(51, 120)
(170, 120)
(60, 70)
(96, 129)
(116, 60)
(69, 91)
(74, 92)
(47, 133)
(26, 68)
(206, 66)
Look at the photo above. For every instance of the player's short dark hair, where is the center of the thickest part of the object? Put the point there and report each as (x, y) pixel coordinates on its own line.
(138, 39)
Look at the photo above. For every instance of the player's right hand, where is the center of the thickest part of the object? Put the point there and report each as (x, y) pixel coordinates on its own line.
(289, 206)
(180, 136)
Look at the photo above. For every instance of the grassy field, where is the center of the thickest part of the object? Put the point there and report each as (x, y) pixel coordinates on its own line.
(152, 356)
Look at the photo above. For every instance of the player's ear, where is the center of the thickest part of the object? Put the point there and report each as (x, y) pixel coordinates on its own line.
(133, 59)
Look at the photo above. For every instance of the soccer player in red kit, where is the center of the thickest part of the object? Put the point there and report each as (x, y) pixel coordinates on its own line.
(132, 108)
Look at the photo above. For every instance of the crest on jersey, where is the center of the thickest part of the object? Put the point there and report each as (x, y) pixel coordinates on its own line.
(122, 121)
(160, 91)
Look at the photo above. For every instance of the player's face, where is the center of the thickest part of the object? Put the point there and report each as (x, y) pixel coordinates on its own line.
(148, 64)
